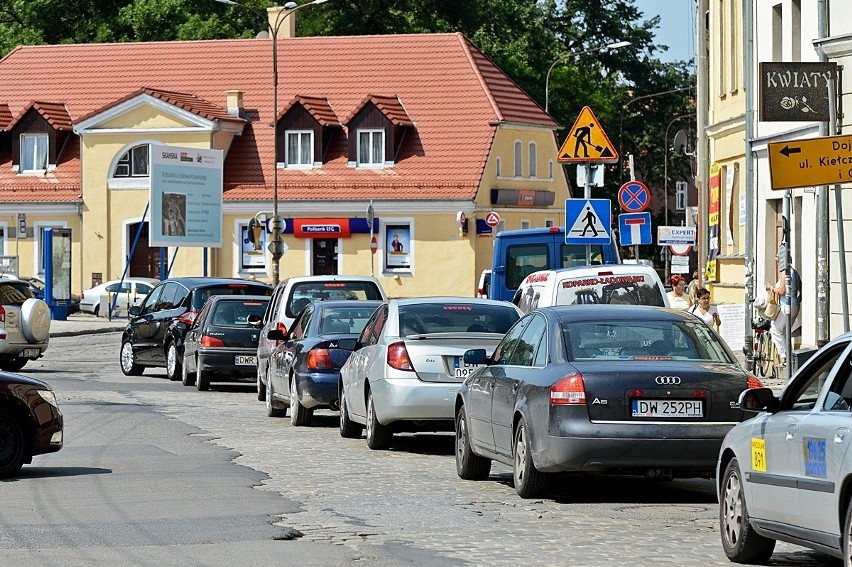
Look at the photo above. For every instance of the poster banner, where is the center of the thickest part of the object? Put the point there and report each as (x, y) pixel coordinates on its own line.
(253, 253)
(397, 246)
(713, 221)
(186, 197)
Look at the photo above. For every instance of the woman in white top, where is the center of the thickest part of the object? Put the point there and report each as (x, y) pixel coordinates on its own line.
(677, 296)
(704, 310)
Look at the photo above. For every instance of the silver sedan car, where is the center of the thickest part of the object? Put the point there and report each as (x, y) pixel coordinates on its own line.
(408, 364)
(786, 474)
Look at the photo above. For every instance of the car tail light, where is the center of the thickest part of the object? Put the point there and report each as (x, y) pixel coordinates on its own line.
(318, 359)
(238, 286)
(636, 393)
(398, 357)
(2, 314)
(753, 382)
(188, 318)
(570, 390)
(208, 341)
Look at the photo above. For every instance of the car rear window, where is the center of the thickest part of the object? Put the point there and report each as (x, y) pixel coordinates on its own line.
(200, 296)
(428, 318)
(306, 292)
(237, 313)
(629, 339)
(14, 292)
(633, 289)
(348, 319)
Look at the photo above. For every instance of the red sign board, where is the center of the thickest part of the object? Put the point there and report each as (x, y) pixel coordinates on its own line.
(492, 219)
(374, 245)
(321, 228)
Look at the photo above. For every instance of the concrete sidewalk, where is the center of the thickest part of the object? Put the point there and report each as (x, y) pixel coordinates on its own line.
(85, 324)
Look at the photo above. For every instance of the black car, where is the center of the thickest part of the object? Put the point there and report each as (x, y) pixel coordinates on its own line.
(599, 388)
(222, 342)
(304, 367)
(154, 336)
(30, 422)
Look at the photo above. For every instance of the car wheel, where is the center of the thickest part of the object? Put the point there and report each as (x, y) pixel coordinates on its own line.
(272, 407)
(12, 447)
(299, 414)
(847, 536)
(187, 378)
(128, 360)
(261, 388)
(469, 466)
(97, 310)
(35, 320)
(173, 362)
(13, 364)
(348, 428)
(378, 435)
(739, 540)
(529, 482)
(202, 379)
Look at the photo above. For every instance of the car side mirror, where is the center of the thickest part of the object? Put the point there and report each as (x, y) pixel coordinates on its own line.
(756, 400)
(275, 335)
(475, 356)
(134, 310)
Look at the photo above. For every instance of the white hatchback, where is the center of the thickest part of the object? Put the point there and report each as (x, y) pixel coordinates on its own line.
(130, 291)
(634, 284)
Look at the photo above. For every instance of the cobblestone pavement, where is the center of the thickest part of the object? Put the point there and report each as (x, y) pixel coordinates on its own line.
(412, 496)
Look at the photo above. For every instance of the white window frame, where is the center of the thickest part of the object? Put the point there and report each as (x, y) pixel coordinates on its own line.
(373, 132)
(131, 181)
(29, 167)
(310, 143)
(533, 160)
(525, 224)
(4, 237)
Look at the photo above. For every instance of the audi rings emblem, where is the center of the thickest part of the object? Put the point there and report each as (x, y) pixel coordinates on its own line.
(667, 380)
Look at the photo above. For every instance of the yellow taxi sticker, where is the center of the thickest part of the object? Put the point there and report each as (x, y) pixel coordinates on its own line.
(758, 454)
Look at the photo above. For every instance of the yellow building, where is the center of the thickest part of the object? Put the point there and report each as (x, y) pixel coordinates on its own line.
(423, 127)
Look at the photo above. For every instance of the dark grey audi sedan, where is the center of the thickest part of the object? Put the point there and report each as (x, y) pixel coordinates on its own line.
(599, 389)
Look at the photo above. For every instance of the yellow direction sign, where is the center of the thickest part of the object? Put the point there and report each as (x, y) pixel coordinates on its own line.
(587, 142)
(810, 162)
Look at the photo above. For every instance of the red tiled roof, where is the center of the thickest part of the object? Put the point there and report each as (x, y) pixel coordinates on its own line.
(450, 90)
(390, 106)
(317, 107)
(5, 117)
(55, 113)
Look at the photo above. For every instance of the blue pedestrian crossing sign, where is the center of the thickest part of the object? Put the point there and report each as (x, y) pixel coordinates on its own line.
(587, 221)
(634, 229)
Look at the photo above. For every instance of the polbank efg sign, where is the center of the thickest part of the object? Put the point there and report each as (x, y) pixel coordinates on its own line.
(795, 92)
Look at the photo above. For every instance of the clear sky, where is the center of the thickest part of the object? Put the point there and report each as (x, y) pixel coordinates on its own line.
(676, 28)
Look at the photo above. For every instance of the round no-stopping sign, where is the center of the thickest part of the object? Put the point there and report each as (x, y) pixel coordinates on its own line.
(634, 197)
(374, 245)
(680, 249)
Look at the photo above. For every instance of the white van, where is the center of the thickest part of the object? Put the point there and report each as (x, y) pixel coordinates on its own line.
(611, 283)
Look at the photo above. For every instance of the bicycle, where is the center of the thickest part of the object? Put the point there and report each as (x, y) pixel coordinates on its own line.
(764, 355)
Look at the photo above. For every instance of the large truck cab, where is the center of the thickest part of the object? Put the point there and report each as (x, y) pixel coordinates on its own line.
(518, 253)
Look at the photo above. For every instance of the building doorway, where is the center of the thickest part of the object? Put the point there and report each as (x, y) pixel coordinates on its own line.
(324, 257)
(145, 262)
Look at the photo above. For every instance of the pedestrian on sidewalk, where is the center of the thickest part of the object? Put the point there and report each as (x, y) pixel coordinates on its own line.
(677, 296)
(790, 306)
(705, 310)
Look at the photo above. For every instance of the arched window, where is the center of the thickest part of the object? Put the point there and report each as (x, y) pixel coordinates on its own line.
(533, 160)
(518, 159)
(134, 163)
(499, 167)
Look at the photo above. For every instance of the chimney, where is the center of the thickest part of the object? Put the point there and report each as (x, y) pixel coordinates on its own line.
(286, 25)
(235, 102)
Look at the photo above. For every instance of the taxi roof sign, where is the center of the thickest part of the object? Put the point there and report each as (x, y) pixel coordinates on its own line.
(587, 142)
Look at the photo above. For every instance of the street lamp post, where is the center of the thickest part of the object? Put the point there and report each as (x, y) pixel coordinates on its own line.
(274, 27)
(624, 106)
(565, 56)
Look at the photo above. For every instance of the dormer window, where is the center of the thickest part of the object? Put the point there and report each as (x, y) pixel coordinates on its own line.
(134, 163)
(371, 147)
(33, 152)
(299, 148)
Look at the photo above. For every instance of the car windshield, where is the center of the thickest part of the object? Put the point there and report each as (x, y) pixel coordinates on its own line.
(237, 313)
(306, 292)
(201, 296)
(426, 318)
(348, 319)
(14, 292)
(629, 339)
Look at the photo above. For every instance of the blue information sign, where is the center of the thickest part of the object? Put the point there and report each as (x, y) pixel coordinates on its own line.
(587, 221)
(634, 228)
